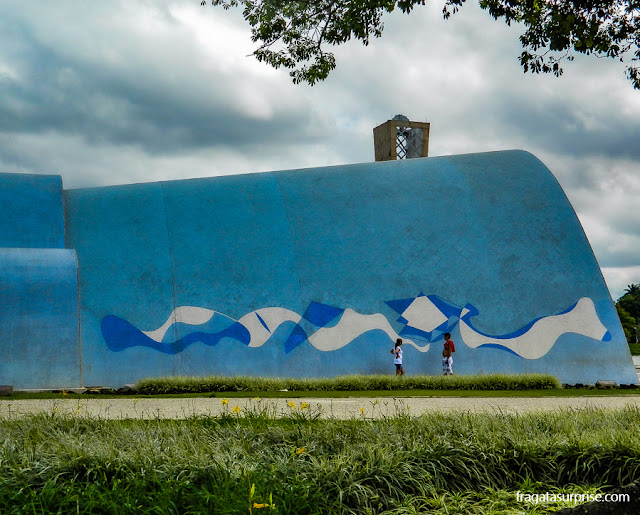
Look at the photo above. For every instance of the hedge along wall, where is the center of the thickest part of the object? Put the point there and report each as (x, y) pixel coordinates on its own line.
(316, 272)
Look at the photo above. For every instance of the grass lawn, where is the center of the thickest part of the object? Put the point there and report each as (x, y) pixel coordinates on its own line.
(492, 385)
(436, 463)
(559, 392)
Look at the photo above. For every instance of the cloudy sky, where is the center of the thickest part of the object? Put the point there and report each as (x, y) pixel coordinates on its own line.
(125, 91)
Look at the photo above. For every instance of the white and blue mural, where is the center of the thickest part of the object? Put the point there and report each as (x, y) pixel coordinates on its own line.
(328, 328)
(312, 273)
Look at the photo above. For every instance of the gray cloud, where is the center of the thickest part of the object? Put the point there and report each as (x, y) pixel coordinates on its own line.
(118, 92)
(66, 91)
(572, 128)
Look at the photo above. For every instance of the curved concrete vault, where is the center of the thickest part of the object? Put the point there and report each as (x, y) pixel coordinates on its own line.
(309, 272)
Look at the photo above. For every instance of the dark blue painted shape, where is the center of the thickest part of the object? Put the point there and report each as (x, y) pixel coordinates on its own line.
(447, 308)
(238, 332)
(451, 311)
(317, 314)
(321, 314)
(263, 322)
(400, 305)
(120, 335)
(431, 336)
(297, 336)
(415, 334)
(501, 347)
(473, 312)
(568, 309)
(445, 327)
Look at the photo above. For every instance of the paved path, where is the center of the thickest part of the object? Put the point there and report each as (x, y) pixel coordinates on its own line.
(343, 408)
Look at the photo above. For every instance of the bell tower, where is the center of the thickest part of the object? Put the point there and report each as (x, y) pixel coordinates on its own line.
(400, 138)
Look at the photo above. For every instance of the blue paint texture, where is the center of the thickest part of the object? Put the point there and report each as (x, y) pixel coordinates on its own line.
(39, 345)
(315, 272)
(39, 311)
(31, 211)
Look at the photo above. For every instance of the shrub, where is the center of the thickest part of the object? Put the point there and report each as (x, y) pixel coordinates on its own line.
(182, 384)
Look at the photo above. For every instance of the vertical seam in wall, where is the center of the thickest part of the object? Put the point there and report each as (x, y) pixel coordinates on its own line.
(64, 216)
(75, 254)
(171, 274)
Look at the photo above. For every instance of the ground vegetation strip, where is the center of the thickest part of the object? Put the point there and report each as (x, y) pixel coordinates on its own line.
(251, 462)
(187, 384)
(628, 307)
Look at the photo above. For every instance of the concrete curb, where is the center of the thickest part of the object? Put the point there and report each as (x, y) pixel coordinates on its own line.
(342, 408)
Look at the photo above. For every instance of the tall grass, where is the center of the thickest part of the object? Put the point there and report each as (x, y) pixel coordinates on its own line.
(439, 463)
(185, 384)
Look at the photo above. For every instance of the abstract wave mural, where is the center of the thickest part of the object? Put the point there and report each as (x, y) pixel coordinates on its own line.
(328, 328)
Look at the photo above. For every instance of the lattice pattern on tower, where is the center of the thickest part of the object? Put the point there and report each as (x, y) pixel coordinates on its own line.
(400, 138)
(408, 143)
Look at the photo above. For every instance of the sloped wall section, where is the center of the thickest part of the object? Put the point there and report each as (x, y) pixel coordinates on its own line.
(39, 333)
(39, 318)
(316, 272)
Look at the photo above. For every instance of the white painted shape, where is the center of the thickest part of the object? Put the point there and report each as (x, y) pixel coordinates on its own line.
(423, 315)
(350, 326)
(273, 317)
(423, 348)
(542, 335)
(191, 315)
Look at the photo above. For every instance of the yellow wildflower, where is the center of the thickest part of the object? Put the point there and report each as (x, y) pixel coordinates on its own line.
(301, 450)
(224, 402)
(292, 404)
(362, 412)
(236, 409)
(263, 505)
(64, 392)
(304, 405)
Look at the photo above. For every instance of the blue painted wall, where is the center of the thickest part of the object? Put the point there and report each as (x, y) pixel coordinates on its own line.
(39, 345)
(31, 211)
(484, 245)
(303, 273)
(39, 318)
